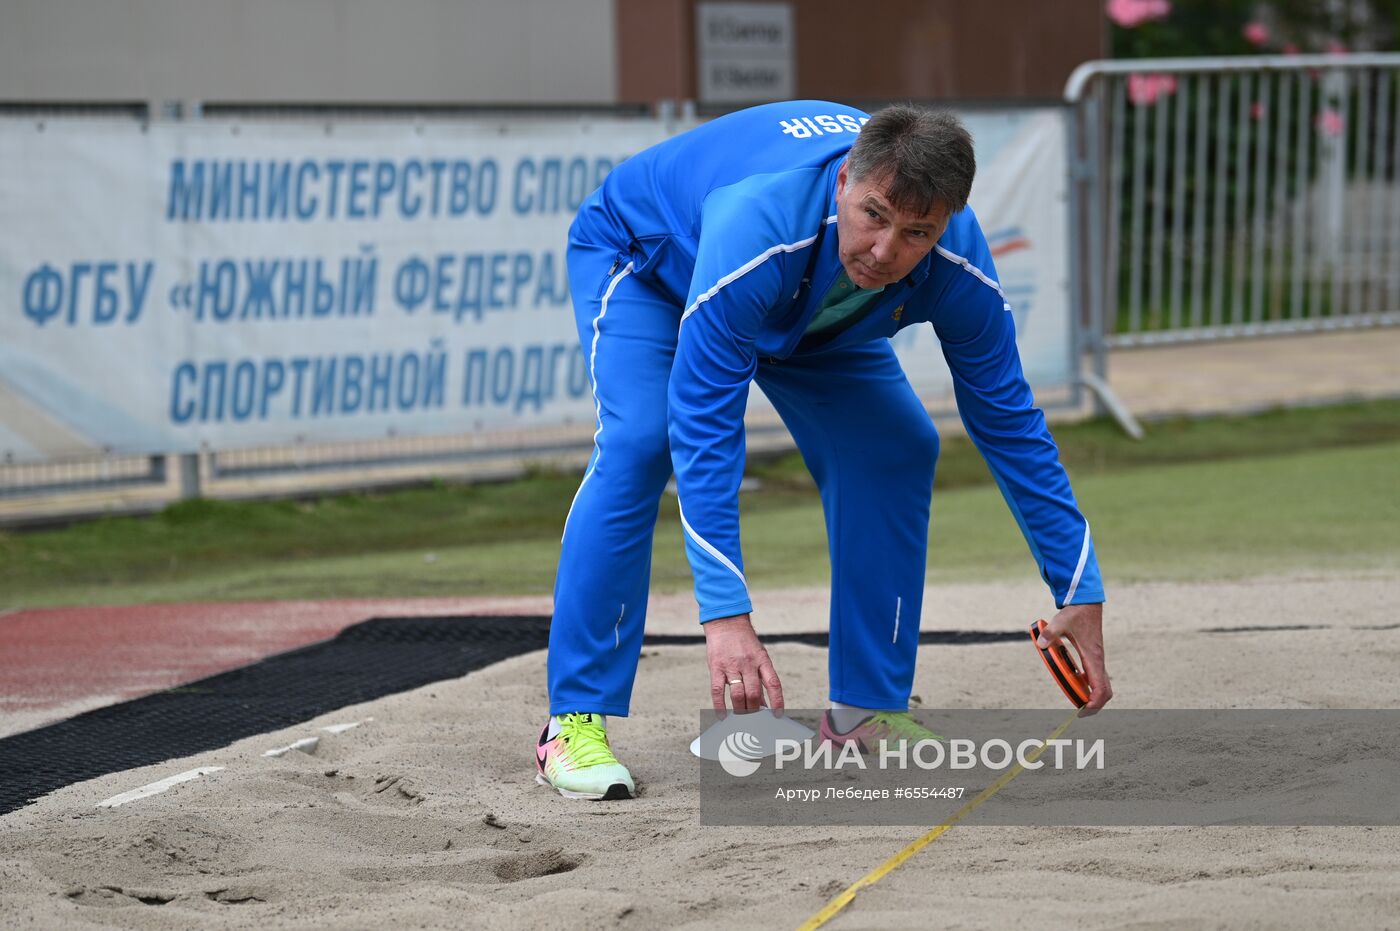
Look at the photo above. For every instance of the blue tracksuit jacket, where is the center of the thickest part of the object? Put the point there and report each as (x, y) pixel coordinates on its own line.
(736, 222)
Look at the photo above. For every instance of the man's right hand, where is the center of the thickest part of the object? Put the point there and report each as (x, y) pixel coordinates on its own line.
(739, 663)
(1082, 625)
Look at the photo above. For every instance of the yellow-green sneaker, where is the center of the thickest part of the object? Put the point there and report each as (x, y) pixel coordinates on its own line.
(887, 726)
(578, 761)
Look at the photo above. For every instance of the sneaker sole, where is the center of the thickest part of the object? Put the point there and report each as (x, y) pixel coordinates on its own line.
(616, 792)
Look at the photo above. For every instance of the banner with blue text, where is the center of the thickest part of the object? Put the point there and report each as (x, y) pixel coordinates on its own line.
(173, 286)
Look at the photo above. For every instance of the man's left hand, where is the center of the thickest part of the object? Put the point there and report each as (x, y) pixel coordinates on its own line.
(1082, 626)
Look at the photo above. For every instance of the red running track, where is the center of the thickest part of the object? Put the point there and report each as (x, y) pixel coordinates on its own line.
(59, 662)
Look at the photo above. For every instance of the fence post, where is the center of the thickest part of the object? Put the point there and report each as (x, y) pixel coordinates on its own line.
(189, 476)
(1086, 246)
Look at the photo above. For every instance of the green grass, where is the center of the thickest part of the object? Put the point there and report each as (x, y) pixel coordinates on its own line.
(1097, 447)
(1288, 491)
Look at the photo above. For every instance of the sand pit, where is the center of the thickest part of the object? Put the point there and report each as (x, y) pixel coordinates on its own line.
(428, 815)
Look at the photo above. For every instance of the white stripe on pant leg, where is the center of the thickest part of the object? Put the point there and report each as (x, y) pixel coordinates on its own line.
(617, 636)
(593, 379)
(898, 602)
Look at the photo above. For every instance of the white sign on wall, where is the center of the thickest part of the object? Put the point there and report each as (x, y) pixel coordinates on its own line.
(745, 52)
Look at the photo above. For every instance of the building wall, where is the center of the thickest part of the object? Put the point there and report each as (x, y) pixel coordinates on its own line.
(521, 51)
(880, 49)
(459, 51)
(655, 50)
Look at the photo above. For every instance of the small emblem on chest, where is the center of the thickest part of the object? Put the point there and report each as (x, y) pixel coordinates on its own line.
(898, 312)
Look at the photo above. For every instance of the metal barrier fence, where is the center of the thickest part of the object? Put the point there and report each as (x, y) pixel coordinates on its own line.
(55, 491)
(63, 490)
(1231, 197)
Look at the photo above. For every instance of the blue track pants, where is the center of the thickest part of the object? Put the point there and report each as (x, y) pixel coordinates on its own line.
(865, 437)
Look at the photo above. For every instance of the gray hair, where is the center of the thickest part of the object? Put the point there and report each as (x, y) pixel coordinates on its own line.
(925, 157)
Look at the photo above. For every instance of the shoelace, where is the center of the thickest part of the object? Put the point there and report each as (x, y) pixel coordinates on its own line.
(587, 740)
(901, 724)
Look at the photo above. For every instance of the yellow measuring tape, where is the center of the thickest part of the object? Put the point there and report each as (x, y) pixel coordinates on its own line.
(834, 907)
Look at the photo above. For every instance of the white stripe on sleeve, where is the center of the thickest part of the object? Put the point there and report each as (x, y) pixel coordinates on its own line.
(1079, 569)
(705, 545)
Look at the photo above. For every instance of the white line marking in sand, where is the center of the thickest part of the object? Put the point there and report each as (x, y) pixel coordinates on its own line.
(156, 788)
(342, 728)
(305, 745)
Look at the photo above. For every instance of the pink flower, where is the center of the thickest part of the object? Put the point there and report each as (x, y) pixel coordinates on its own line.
(1290, 49)
(1256, 33)
(1330, 122)
(1336, 48)
(1144, 89)
(1257, 111)
(1130, 13)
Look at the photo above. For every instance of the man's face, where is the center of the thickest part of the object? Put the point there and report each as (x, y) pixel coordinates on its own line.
(878, 244)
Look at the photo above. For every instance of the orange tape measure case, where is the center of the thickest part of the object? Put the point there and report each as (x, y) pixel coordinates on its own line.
(1062, 668)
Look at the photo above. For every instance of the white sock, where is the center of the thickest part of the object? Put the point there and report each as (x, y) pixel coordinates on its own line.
(845, 717)
(554, 725)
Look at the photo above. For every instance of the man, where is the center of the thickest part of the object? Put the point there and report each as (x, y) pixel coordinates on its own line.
(763, 246)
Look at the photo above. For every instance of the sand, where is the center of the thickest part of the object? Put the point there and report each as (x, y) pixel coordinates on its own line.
(428, 816)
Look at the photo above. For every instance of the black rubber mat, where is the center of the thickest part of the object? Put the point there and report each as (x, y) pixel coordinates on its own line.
(378, 657)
